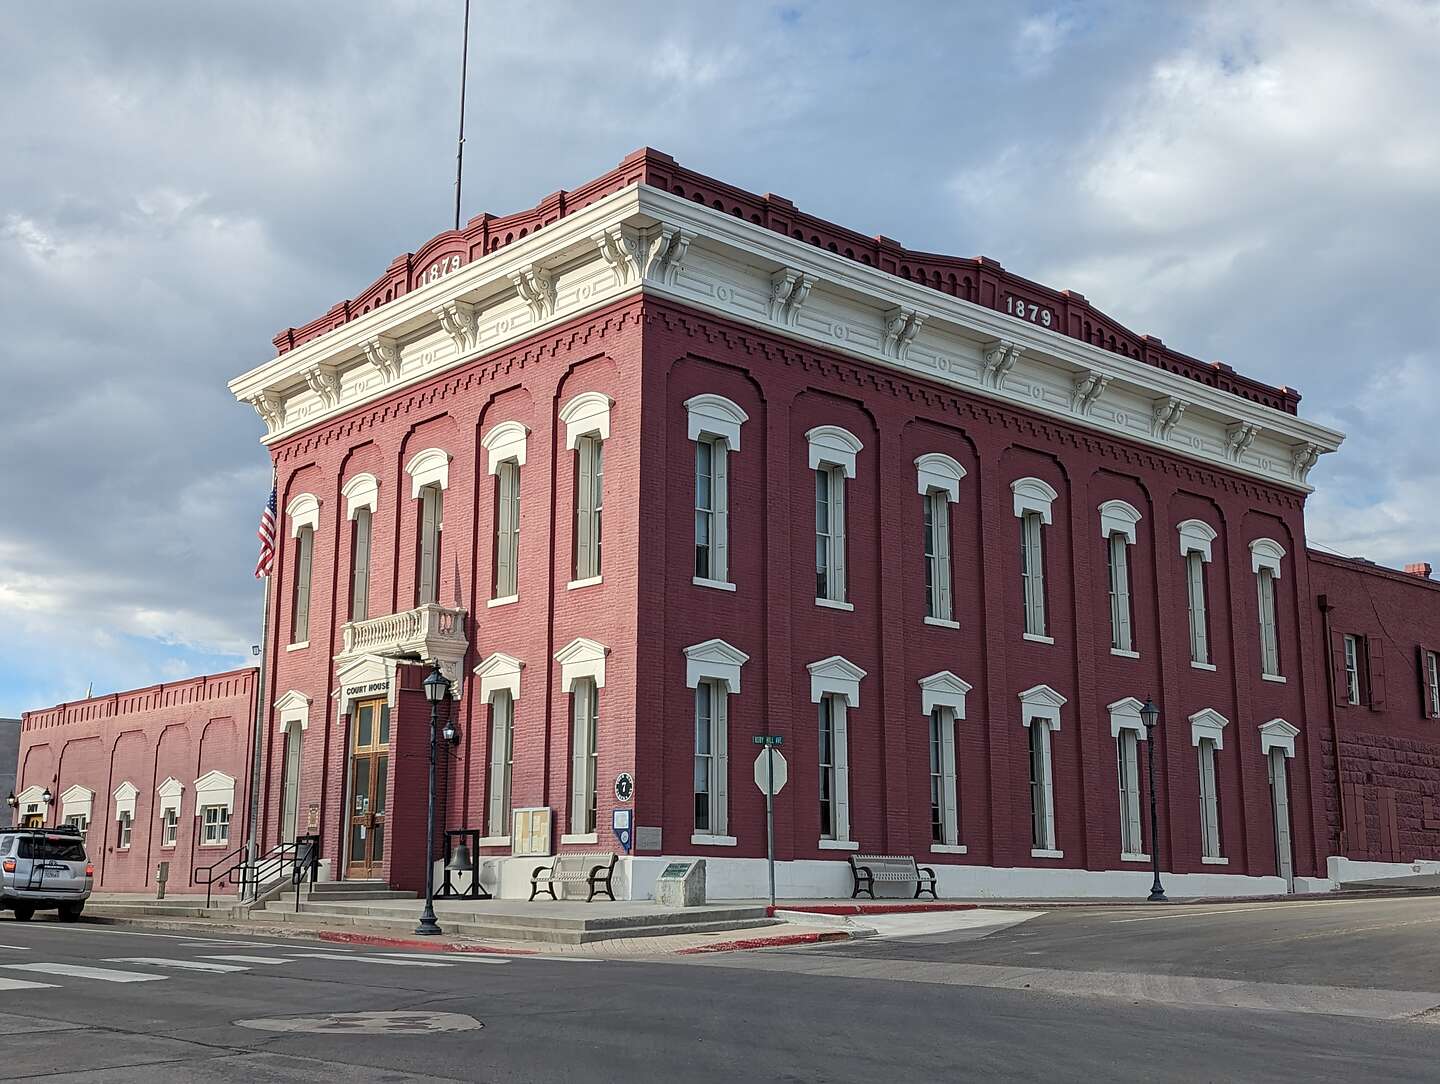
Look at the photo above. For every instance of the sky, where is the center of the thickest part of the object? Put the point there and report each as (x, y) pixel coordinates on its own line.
(1253, 183)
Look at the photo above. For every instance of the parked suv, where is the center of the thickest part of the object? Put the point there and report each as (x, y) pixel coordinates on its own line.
(44, 869)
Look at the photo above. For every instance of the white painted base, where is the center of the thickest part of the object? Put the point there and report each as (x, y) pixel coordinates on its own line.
(745, 879)
(1422, 873)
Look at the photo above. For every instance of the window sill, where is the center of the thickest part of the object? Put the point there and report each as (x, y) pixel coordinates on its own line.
(1209, 861)
(1133, 856)
(505, 600)
(167, 846)
(581, 837)
(1273, 677)
(699, 840)
(1120, 652)
(719, 585)
(1043, 852)
(301, 646)
(838, 845)
(494, 841)
(588, 581)
(214, 846)
(1202, 666)
(1036, 638)
(949, 848)
(942, 622)
(834, 604)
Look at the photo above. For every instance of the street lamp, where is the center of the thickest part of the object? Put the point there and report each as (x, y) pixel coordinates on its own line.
(13, 802)
(437, 688)
(1150, 716)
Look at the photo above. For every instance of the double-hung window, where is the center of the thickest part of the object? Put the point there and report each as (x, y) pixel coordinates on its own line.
(1352, 669)
(360, 566)
(300, 611)
(711, 759)
(1032, 573)
(432, 527)
(1431, 664)
(1033, 501)
(1265, 556)
(1196, 537)
(214, 825)
(589, 502)
(834, 768)
(125, 823)
(170, 827)
(1121, 636)
(712, 499)
(1209, 800)
(585, 724)
(830, 533)
(1042, 788)
(1127, 743)
(944, 818)
(507, 530)
(502, 761)
(937, 556)
(833, 453)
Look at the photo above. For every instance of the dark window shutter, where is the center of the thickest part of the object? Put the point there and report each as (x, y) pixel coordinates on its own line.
(1375, 658)
(1424, 672)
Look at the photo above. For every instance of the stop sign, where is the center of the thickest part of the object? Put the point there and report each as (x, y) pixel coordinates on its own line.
(762, 773)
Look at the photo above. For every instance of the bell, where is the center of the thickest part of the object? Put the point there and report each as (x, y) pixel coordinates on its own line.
(460, 857)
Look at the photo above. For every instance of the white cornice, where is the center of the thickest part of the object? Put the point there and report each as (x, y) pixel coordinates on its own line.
(645, 239)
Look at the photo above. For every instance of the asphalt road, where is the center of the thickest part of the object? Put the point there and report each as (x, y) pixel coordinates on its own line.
(119, 1004)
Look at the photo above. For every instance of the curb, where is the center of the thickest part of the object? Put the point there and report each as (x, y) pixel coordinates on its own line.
(380, 941)
(868, 909)
(766, 942)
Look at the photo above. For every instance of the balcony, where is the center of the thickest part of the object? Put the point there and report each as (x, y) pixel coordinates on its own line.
(430, 632)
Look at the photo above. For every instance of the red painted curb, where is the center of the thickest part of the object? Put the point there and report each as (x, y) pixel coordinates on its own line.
(422, 946)
(767, 942)
(872, 908)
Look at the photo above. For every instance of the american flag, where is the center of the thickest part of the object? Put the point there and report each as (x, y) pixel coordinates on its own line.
(266, 534)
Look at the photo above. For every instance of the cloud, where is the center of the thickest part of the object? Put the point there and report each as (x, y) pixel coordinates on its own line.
(1256, 183)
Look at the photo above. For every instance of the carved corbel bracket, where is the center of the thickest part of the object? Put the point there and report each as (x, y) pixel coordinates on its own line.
(660, 251)
(1088, 387)
(1302, 458)
(271, 408)
(1238, 438)
(1166, 416)
(998, 358)
(615, 252)
(901, 326)
(536, 287)
(383, 352)
(461, 321)
(788, 290)
(324, 381)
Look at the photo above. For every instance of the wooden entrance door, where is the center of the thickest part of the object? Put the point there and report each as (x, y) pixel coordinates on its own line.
(369, 762)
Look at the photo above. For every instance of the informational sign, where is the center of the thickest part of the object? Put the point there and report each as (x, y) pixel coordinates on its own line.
(624, 787)
(364, 690)
(622, 823)
(675, 871)
(530, 832)
(763, 776)
(312, 817)
(648, 839)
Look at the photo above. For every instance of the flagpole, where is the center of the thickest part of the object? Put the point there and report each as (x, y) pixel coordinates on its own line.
(460, 147)
(257, 759)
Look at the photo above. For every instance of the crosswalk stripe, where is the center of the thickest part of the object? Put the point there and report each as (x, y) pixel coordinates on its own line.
(368, 959)
(76, 971)
(16, 948)
(21, 984)
(251, 959)
(450, 957)
(184, 965)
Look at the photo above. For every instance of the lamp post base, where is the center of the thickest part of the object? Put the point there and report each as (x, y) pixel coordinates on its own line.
(1157, 895)
(428, 926)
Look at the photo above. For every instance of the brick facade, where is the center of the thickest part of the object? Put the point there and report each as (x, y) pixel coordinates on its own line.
(179, 731)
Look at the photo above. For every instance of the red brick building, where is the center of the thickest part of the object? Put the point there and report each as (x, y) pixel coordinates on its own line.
(151, 775)
(660, 465)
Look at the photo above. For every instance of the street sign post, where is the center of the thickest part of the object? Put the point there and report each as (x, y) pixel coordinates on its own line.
(771, 774)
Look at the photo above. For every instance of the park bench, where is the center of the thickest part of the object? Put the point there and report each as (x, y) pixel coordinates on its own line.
(594, 870)
(869, 868)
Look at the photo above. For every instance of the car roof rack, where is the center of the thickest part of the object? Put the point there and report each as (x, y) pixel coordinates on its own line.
(63, 829)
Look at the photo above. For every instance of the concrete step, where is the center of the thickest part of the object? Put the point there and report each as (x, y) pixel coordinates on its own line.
(348, 896)
(353, 889)
(500, 930)
(157, 909)
(534, 919)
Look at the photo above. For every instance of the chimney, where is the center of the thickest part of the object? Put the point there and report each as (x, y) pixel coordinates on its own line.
(1422, 569)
